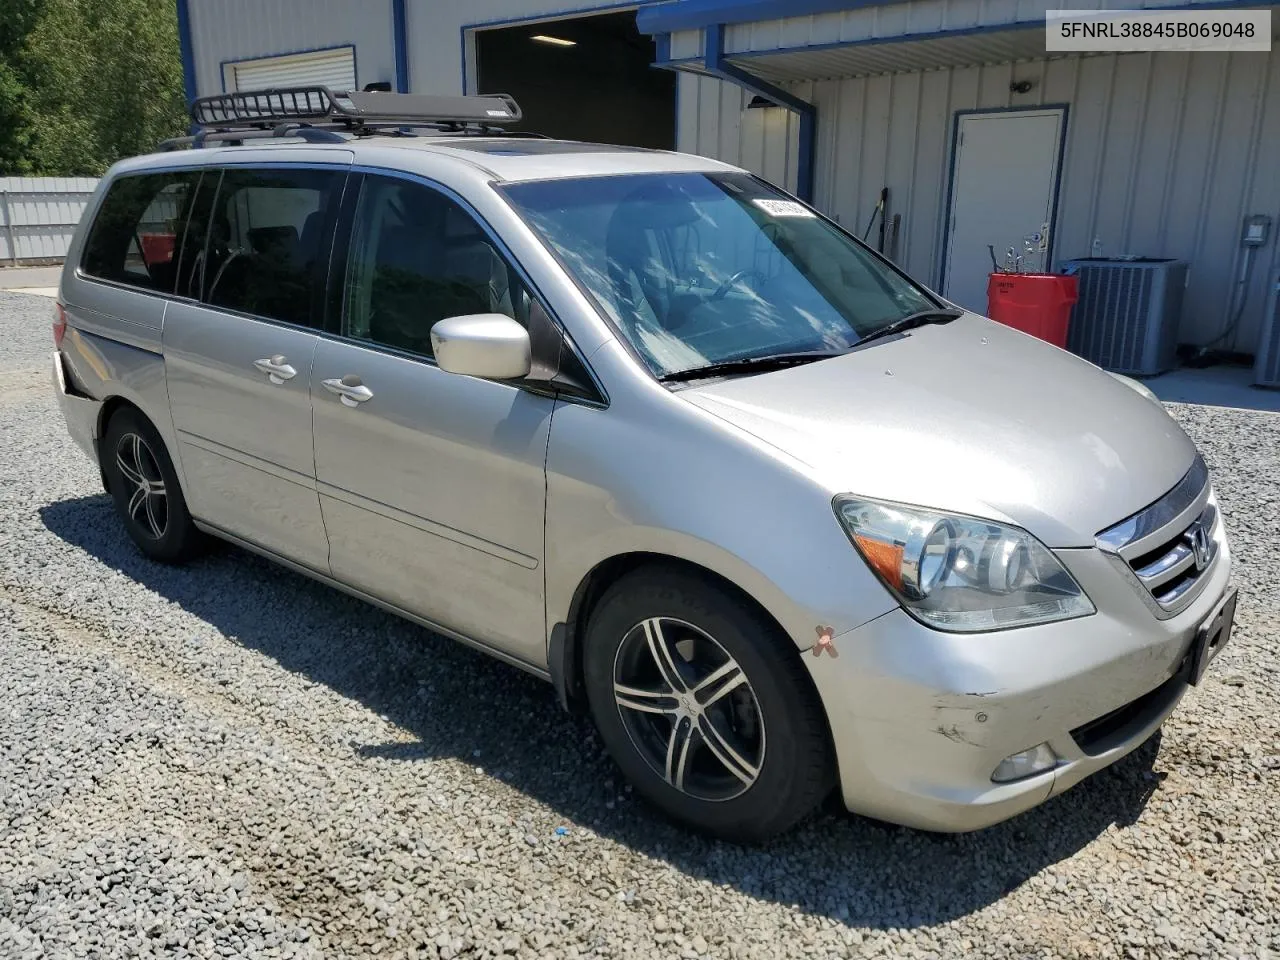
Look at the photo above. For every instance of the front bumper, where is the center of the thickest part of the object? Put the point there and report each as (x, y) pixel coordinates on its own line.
(81, 413)
(920, 718)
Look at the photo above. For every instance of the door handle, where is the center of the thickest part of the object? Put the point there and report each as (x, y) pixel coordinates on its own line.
(349, 390)
(277, 369)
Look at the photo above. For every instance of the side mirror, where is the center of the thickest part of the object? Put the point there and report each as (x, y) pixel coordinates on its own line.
(487, 345)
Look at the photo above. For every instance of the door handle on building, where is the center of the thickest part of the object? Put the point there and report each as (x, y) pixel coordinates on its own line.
(277, 369)
(349, 390)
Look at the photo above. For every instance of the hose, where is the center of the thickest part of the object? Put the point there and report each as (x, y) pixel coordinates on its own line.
(1239, 298)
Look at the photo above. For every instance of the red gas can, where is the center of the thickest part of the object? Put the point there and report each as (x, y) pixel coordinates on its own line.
(1035, 303)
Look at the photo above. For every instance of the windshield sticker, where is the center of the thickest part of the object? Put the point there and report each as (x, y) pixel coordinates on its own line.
(783, 208)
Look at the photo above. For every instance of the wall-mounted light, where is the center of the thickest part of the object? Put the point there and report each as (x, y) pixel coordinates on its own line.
(757, 102)
(554, 41)
(1021, 86)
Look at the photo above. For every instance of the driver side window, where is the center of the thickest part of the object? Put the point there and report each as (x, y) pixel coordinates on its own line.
(416, 258)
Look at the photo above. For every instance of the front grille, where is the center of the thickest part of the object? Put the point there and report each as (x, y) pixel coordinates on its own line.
(1172, 569)
(1166, 548)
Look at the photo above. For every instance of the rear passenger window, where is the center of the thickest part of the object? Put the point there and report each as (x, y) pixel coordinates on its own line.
(136, 234)
(417, 257)
(268, 242)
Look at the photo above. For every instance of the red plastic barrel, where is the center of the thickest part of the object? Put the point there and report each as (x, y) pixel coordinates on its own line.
(1035, 303)
(157, 247)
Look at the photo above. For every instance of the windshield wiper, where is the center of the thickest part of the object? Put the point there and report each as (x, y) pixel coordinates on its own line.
(911, 321)
(725, 368)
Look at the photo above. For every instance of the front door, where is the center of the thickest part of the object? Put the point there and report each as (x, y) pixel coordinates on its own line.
(238, 362)
(1003, 190)
(432, 485)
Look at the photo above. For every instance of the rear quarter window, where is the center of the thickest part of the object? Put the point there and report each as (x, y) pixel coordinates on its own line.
(136, 235)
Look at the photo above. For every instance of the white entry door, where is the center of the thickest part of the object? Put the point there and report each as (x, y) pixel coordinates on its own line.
(1005, 179)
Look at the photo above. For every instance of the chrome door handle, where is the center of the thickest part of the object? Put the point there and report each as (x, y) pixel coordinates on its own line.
(349, 390)
(277, 369)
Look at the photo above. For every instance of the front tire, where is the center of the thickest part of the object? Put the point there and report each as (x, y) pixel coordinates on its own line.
(144, 486)
(705, 705)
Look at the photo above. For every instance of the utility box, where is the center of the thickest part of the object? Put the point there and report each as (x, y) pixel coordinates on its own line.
(1126, 317)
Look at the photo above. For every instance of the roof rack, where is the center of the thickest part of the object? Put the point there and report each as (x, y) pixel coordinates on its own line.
(318, 114)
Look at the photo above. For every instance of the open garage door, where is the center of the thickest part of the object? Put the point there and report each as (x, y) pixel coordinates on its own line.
(586, 78)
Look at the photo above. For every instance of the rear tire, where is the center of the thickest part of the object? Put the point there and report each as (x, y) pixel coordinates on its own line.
(143, 484)
(723, 731)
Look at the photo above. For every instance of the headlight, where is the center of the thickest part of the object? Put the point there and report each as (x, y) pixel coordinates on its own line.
(960, 573)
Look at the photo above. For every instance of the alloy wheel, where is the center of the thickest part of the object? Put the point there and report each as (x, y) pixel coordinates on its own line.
(689, 709)
(148, 501)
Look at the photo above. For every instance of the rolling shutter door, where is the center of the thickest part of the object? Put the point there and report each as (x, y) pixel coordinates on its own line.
(335, 69)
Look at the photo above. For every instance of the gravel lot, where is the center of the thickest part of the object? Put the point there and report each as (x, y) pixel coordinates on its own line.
(229, 760)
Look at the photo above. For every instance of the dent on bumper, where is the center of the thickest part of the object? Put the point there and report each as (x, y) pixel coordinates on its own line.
(80, 413)
(921, 719)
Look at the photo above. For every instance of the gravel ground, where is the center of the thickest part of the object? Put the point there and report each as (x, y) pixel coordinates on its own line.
(229, 760)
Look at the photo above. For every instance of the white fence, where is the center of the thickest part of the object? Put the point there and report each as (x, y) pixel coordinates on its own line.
(39, 214)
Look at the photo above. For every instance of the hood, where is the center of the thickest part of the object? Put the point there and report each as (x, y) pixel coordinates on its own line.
(968, 417)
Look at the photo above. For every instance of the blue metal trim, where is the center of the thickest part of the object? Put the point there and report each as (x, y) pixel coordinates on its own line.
(400, 38)
(355, 60)
(692, 14)
(464, 61)
(673, 15)
(1064, 109)
(565, 14)
(717, 66)
(187, 51)
(662, 48)
(662, 64)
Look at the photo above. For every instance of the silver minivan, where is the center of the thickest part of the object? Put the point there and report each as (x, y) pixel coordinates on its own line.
(781, 518)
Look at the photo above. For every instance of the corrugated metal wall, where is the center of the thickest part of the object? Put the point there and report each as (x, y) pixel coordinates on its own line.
(1165, 155)
(38, 215)
(223, 30)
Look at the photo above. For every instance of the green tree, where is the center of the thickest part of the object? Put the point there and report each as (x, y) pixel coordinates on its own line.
(17, 18)
(104, 81)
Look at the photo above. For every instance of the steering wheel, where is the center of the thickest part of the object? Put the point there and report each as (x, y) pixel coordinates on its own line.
(722, 291)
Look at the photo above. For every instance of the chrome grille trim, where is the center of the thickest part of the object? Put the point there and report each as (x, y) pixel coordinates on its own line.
(1154, 548)
(1166, 567)
(1160, 514)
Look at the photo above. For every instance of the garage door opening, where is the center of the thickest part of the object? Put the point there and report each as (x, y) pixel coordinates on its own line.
(587, 78)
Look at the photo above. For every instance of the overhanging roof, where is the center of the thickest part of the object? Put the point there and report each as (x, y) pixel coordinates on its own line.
(783, 41)
(961, 48)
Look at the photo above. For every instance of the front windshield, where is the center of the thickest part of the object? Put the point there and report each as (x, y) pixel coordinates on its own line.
(697, 269)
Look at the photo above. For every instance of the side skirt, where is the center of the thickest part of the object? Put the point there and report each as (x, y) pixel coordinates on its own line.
(540, 672)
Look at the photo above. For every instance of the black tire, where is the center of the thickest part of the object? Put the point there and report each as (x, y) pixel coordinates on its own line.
(789, 745)
(131, 448)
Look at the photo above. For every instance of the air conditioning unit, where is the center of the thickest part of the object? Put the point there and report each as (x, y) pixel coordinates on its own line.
(1126, 319)
(1266, 369)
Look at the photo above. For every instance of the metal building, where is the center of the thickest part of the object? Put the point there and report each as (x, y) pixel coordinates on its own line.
(950, 111)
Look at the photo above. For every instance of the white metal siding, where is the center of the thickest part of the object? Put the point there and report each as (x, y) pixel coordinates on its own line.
(1165, 154)
(335, 69)
(38, 215)
(713, 120)
(223, 31)
(686, 43)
